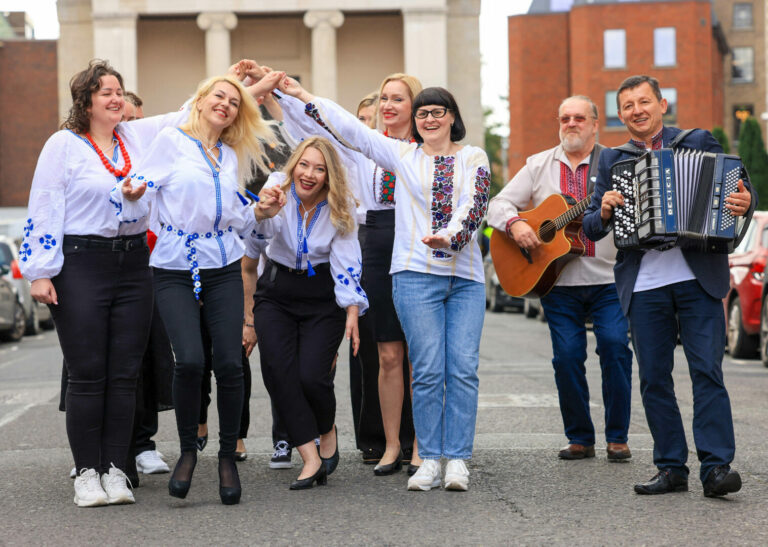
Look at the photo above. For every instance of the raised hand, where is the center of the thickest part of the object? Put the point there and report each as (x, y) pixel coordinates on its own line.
(291, 87)
(132, 193)
(266, 84)
(271, 200)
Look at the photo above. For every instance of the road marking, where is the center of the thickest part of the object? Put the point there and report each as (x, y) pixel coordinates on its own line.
(521, 400)
(24, 399)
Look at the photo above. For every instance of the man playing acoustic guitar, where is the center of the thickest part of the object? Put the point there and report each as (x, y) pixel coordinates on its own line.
(584, 289)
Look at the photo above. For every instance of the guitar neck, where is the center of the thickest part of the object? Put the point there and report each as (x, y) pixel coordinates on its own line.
(573, 213)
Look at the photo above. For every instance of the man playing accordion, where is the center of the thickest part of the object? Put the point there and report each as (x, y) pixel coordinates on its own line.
(667, 292)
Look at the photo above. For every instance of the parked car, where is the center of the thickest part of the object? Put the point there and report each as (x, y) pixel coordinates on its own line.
(533, 309)
(37, 315)
(745, 297)
(12, 318)
(495, 297)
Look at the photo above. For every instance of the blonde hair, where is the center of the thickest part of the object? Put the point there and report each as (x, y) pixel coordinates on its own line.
(340, 199)
(247, 134)
(411, 82)
(369, 100)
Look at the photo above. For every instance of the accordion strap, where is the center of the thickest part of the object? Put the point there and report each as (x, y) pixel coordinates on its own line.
(679, 138)
(594, 159)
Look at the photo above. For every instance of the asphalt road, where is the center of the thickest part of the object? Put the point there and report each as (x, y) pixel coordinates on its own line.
(520, 493)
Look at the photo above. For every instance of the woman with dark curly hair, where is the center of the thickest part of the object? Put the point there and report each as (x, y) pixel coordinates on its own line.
(93, 272)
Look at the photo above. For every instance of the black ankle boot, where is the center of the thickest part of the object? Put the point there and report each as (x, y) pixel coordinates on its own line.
(181, 479)
(230, 495)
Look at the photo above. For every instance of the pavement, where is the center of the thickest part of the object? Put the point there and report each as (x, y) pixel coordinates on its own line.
(520, 493)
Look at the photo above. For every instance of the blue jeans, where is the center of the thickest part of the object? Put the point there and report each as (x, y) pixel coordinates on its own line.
(442, 317)
(654, 316)
(567, 309)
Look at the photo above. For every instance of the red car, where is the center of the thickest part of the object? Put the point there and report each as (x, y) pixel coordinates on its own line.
(742, 305)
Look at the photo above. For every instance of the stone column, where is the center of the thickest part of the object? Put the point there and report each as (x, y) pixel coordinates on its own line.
(114, 39)
(324, 71)
(217, 25)
(464, 51)
(74, 47)
(425, 45)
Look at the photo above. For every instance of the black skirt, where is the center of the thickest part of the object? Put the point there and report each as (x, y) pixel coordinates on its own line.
(377, 237)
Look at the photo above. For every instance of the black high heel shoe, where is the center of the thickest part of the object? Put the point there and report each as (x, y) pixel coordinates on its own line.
(230, 495)
(321, 476)
(389, 468)
(332, 463)
(179, 488)
(201, 442)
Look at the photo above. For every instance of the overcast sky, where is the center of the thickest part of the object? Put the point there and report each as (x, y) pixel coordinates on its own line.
(493, 43)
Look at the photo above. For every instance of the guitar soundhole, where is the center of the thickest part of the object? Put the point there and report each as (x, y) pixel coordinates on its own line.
(547, 231)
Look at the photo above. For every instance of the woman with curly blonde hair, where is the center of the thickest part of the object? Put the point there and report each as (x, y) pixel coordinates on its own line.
(191, 177)
(312, 276)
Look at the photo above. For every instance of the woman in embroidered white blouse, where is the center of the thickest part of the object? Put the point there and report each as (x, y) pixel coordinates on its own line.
(92, 270)
(308, 297)
(192, 176)
(441, 196)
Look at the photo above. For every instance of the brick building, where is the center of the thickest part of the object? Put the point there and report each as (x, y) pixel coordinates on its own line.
(568, 47)
(29, 112)
(743, 23)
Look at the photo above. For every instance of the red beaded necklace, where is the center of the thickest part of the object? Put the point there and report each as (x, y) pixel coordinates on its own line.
(409, 139)
(118, 173)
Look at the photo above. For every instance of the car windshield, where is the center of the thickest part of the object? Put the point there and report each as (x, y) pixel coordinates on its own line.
(5, 254)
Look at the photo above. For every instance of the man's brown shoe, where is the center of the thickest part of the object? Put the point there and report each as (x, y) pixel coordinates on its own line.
(618, 452)
(576, 452)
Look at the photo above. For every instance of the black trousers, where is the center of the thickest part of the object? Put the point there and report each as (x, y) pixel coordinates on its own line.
(102, 320)
(205, 389)
(299, 327)
(220, 311)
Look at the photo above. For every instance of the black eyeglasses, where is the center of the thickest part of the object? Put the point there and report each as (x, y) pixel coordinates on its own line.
(436, 113)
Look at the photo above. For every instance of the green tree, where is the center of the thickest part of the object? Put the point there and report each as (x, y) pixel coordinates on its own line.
(722, 138)
(755, 158)
(493, 149)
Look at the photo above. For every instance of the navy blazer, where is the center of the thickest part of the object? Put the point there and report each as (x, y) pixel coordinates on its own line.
(711, 270)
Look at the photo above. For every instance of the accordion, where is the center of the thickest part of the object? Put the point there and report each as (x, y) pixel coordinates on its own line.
(677, 198)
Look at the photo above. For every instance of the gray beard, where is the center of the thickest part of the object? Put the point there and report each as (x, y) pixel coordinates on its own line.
(572, 143)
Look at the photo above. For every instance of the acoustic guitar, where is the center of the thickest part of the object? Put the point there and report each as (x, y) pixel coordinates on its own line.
(557, 224)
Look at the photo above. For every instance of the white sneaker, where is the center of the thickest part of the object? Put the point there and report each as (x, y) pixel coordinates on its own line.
(88, 490)
(150, 462)
(427, 477)
(73, 473)
(456, 475)
(115, 484)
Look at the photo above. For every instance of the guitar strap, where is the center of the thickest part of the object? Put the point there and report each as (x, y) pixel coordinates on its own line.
(594, 159)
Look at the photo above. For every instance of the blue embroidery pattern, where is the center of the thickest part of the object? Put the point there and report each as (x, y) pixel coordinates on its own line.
(442, 193)
(47, 241)
(470, 224)
(25, 251)
(28, 227)
(352, 277)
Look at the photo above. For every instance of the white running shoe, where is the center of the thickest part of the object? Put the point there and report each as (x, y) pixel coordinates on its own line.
(88, 490)
(73, 473)
(150, 462)
(281, 458)
(115, 484)
(456, 475)
(427, 477)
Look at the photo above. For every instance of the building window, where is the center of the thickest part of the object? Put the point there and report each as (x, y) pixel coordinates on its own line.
(742, 15)
(615, 48)
(611, 110)
(664, 47)
(670, 94)
(743, 65)
(740, 114)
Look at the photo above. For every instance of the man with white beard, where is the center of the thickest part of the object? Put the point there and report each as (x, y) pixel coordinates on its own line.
(585, 288)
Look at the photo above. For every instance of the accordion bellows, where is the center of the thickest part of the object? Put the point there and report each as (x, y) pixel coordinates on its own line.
(677, 198)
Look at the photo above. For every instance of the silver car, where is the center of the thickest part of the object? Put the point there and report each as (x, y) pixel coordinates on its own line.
(37, 316)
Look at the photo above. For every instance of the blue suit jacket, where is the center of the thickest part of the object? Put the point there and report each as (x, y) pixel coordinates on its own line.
(711, 270)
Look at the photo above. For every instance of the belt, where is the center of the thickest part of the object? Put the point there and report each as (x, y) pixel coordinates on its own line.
(283, 268)
(125, 243)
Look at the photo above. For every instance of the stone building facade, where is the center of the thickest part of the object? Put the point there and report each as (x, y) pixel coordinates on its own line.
(341, 50)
